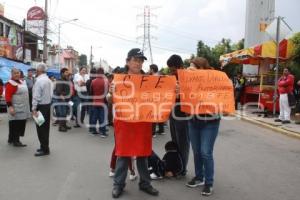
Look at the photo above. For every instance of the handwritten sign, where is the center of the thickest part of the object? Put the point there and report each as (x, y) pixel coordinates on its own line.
(205, 92)
(143, 98)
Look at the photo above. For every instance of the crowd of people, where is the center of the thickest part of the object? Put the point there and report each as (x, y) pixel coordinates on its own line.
(72, 97)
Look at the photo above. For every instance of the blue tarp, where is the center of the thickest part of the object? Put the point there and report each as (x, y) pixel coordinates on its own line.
(6, 65)
(53, 72)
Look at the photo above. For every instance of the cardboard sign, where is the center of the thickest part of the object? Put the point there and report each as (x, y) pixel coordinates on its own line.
(143, 98)
(206, 92)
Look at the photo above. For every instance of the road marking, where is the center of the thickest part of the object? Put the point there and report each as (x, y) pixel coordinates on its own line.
(66, 188)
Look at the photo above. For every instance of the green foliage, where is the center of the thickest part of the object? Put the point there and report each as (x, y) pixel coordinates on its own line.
(294, 65)
(82, 60)
(213, 54)
(186, 62)
(239, 45)
(165, 71)
(296, 41)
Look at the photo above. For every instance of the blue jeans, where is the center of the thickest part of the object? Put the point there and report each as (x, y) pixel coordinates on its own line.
(203, 135)
(61, 111)
(98, 115)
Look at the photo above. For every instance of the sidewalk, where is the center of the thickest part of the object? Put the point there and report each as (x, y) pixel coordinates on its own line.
(254, 115)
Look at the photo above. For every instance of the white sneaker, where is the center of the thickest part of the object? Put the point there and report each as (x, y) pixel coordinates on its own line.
(111, 174)
(132, 177)
(153, 176)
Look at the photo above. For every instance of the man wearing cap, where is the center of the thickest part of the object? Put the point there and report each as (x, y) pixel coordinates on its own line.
(133, 139)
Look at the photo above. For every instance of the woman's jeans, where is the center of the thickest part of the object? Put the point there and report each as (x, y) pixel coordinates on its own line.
(203, 135)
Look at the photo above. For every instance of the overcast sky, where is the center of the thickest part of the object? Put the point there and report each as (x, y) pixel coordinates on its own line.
(180, 23)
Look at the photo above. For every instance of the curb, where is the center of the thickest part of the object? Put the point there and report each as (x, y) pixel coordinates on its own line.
(276, 129)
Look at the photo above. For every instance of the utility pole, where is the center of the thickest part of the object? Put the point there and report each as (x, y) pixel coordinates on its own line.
(59, 47)
(277, 64)
(91, 58)
(147, 37)
(23, 39)
(45, 51)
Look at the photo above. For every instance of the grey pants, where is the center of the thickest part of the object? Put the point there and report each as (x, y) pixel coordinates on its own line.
(122, 170)
(179, 134)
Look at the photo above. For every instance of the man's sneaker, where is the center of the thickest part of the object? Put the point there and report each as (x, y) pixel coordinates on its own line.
(93, 133)
(111, 174)
(286, 122)
(161, 132)
(154, 136)
(277, 120)
(194, 183)
(103, 135)
(207, 190)
(153, 176)
(132, 177)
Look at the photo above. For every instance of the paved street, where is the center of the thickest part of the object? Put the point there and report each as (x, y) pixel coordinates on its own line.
(252, 163)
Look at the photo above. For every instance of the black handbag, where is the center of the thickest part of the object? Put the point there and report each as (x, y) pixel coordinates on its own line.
(291, 99)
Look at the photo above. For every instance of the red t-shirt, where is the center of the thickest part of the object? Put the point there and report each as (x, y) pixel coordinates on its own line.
(99, 90)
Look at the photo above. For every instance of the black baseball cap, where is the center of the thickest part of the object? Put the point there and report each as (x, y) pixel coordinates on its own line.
(137, 53)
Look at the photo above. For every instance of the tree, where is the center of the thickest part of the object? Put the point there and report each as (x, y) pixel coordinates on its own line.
(213, 54)
(186, 62)
(239, 45)
(203, 50)
(82, 60)
(295, 62)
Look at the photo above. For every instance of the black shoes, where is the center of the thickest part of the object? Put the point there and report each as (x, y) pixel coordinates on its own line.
(68, 127)
(194, 183)
(283, 121)
(19, 144)
(76, 126)
(62, 129)
(207, 190)
(40, 153)
(116, 192)
(150, 190)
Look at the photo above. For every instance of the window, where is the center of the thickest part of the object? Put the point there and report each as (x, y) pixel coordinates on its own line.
(1, 29)
(7, 29)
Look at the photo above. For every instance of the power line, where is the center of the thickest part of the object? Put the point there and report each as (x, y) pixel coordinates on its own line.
(185, 34)
(122, 37)
(130, 40)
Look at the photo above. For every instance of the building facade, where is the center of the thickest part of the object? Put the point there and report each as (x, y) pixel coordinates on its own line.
(259, 14)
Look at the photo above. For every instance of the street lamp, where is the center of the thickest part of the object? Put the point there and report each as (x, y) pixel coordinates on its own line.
(91, 56)
(59, 27)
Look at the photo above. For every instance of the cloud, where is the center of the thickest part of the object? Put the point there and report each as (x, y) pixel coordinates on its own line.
(180, 24)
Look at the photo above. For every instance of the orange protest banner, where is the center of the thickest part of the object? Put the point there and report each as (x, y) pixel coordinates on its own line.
(205, 92)
(143, 98)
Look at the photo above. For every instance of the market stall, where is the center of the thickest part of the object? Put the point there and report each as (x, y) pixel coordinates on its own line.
(260, 88)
